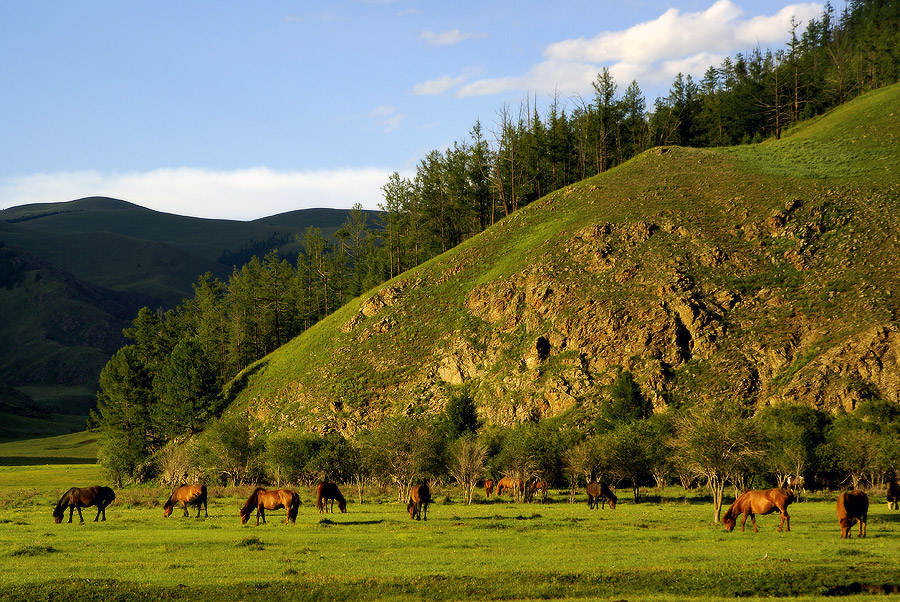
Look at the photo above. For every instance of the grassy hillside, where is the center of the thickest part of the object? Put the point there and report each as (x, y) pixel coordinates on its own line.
(763, 273)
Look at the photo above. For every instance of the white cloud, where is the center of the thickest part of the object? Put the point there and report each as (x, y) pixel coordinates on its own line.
(448, 38)
(242, 194)
(652, 52)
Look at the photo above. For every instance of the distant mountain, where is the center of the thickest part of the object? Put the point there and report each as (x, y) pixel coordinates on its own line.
(74, 274)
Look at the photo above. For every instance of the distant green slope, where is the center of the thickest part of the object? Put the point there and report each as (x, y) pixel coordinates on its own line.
(73, 275)
(765, 274)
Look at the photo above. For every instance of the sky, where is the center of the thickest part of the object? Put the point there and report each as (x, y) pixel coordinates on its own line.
(239, 110)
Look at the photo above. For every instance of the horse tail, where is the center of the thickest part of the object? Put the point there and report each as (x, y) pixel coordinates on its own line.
(294, 507)
(320, 497)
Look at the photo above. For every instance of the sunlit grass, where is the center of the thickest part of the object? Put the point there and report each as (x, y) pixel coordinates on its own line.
(666, 548)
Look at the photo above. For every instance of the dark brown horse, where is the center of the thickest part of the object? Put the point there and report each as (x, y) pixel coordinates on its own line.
(488, 487)
(326, 492)
(893, 494)
(852, 506)
(419, 498)
(77, 498)
(599, 494)
(754, 501)
(263, 499)
(194, 495)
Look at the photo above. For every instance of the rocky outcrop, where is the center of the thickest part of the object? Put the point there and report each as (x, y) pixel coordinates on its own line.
(865, 365)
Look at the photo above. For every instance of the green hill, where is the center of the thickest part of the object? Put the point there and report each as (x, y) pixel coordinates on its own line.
(765, 274)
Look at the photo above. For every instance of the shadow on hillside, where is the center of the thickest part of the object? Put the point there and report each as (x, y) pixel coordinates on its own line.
(42, 460)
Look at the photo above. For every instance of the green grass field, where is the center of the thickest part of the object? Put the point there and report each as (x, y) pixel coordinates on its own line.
(663, 549)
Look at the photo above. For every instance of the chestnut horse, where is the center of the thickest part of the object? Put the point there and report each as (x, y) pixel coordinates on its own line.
(754, 501)
(329, 491)
(419, 498)
(507, 485)
(852, 506)
(263, 499)
(194, 495)
(488, 487)
(599, 493)
(77, 498)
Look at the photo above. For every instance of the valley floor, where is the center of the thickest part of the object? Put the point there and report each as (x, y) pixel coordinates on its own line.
(665, 548)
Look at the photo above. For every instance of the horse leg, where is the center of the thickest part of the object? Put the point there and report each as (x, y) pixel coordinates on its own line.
(99, 510)
(743, 522)
(80, 517)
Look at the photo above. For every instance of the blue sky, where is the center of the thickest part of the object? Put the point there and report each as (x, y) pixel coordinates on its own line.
(240, 110)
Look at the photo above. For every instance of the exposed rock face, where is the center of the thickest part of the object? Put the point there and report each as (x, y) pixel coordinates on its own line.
(843, 375)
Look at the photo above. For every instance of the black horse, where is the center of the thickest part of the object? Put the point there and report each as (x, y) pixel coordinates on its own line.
(77, 498)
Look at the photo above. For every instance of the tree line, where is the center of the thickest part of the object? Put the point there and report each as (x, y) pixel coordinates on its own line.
(167, 383)
(624, 444)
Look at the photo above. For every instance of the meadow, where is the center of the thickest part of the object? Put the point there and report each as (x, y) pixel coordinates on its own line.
(664, 548)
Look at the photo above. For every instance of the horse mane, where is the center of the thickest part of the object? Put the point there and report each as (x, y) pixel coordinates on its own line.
(252, 501)
(60, 509)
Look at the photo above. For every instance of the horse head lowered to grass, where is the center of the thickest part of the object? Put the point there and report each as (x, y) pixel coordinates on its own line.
(193, 495)
(77, 498)
(754, 501)
(326, 492)
(264, 499)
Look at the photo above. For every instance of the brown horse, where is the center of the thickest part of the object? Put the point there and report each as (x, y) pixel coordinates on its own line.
(893, 494)
(538, 487)
(600, 493)
(753, 502)
(509, 485)
(194, 495)
(852, 506)
(488, 487)
(329, 491)
(263, 499)
(419, 498)
(77, 498)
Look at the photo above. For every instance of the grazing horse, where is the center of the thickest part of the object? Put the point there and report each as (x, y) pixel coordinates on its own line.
(488, 487)
(599, 493)
(893, 494)
(419, 498)
(508, 484)
(852, 506)
(194, 495)
(542, 487)
(329, 491)
(262, 499)
(77, 498)
(752, 502)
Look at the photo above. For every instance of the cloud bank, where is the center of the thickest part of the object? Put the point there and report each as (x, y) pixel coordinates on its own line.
(652, 53)
(242, 194)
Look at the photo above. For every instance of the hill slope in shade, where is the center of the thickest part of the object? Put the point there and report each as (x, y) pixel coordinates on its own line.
(762, 274)
(73, 275)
